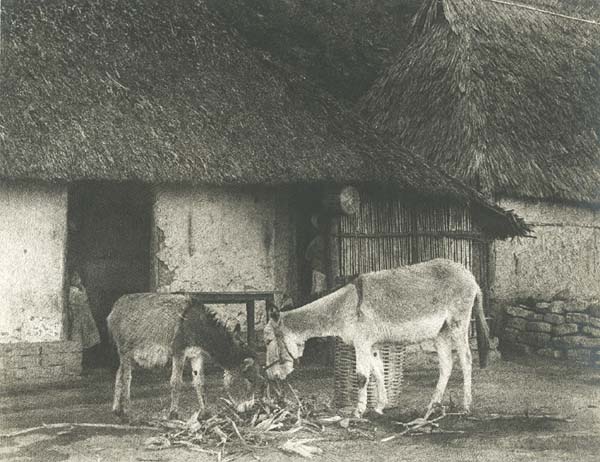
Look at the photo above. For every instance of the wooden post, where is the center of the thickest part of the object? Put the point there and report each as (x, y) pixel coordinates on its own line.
(250, 323)
(269, 303)
(332, 252)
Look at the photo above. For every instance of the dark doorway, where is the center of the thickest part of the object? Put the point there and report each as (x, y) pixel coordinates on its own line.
(109, 246)
(307, 203)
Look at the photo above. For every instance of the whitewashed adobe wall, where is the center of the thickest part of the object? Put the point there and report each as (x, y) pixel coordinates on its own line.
(33, 220)
(223, 239)
(564, 256)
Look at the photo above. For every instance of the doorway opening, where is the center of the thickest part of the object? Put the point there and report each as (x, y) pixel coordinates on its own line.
(312, 260)
(109, 248)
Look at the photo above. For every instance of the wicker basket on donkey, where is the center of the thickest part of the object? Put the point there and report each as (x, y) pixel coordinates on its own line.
(345, 387)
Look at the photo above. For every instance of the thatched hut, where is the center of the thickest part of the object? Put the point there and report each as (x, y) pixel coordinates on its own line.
(146, 146)
(507, 98)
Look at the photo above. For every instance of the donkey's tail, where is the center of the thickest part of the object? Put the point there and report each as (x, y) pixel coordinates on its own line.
(483, 331)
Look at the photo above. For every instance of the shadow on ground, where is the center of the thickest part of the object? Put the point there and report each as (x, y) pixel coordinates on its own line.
(523, 410)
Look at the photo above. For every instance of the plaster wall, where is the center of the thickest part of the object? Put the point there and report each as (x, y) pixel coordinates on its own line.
(223, 239)
(33, 232)
(564, 257)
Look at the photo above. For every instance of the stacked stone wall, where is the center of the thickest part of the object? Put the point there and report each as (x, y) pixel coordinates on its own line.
(24, 363)
(568, 330)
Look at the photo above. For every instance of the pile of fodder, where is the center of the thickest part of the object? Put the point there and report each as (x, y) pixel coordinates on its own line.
(276, 419)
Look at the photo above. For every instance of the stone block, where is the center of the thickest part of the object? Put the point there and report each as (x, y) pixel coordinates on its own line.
(594, 321)
(575, 306)
(61, 347)
(27, 362)
(22, 375)
(535, 317)
(516, 349)
(7, 349)
(554, 318)
(538, 339)
(542, 306)
(53, 359)
(565, 329)
(53, 372)
(579, 356)
(8, 362)
(557, 307)
(539, 327)
(72, 362)
(578, 318)
(509, 335)
(516, 324)
(9, 375)
(593, 331)
(576, 341)
(551, 353)
(517, 311)
(20, 349)
(594, 310)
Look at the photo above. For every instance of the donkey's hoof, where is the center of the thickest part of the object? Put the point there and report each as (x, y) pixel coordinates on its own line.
(173, 415)
(435, 409)
(121, 415)
(358, 413)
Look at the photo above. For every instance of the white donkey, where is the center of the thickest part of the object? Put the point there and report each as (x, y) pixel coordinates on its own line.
(430, 300)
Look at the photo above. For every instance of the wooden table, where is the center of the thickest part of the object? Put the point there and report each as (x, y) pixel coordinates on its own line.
(229, 298)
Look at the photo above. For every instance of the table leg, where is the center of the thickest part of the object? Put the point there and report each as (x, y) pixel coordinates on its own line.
(250, 323)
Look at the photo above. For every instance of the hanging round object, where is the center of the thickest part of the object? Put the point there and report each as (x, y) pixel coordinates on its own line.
(345, 200)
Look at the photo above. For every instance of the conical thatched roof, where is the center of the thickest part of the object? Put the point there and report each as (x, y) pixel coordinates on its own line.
(158, 91)
(504, 97)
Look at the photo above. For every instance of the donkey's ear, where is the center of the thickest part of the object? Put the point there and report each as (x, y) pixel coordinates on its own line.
(287, 303)
(247, 364)
(273, 312)
(251, 371)
(237, 333)
(237, 330)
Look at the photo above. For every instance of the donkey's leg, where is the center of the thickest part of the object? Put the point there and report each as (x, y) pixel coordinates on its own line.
(443, 343)
(176, 384)
(460, 338)
(117, 406)
(121, 402)
(198, 381)
(127, 383)
(363, 370)
(377, 369)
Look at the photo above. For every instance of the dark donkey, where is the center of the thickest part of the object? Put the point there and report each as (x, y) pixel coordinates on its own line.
(150, 328)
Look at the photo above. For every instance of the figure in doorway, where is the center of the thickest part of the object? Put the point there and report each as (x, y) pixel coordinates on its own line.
(315, 255)
(318, 350)
(83, 326)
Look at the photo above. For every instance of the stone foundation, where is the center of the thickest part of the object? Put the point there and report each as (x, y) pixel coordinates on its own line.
(568, 330)
(38, 362)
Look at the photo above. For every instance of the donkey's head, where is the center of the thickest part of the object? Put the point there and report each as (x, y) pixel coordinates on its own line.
(249, 369)
(282, 347)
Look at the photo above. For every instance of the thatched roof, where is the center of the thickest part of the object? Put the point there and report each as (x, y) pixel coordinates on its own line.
(342, 44)
(157, 91)
(504, 97)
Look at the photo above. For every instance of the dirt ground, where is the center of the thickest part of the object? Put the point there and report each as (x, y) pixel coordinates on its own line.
(522, 390)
